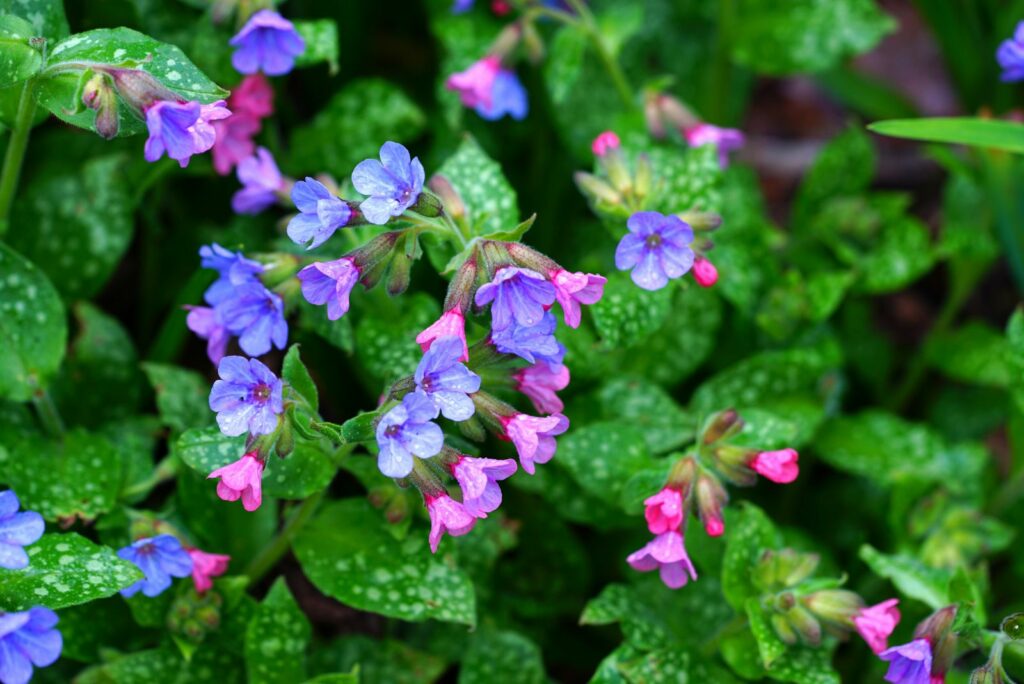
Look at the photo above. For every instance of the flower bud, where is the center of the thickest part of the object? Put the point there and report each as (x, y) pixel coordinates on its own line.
(701, 221)
(804, 624)
(711, 498)
(461, 288)
(615, 166)
(836, 606)
(506, 42)
(400, 274)
(731, 461)
(682, 476)
(784, 630)
(937, 629)
(704, 272)
(533, 43)
(428, 204)
(473, 429)
(139, 89)
(652, 116)
(528, 257)
(100, 96)
(990, 673)
(285, 440)
(596, 189)
(722, 425)
(642, 178)
(675, 113)
(449, 196)
(372, 258)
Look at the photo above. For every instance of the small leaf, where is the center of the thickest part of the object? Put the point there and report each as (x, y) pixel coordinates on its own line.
(987, 133)
(321, 36)
(514, 235)
(750, 533)
(19, 59)
(627, 313)
(276, 639)
(911, 576)
(295, 373)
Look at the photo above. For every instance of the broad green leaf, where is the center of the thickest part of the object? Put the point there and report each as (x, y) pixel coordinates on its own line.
(501, 656)
(686, 179)
(135, 440)
(33, 330)
(766, 431)
(349, 555)
(46, 16)
(644, 405)
(19, 59)
(781, 37)
(356, 121)
(674, 665)
(489, 199)
(806, 665)
(294, 372)
(338, 333)
(182, 396)
(141, 667)
(844, 167)
(975, 354)
(77, 476)
(989, 133)
(276, 639)
(378, 661)
(902, 254)
(603, 456)
(627, 313)
(769, 646)
(912, 577)
(750, 533)
(87, 629)
(321, 36)
(65, 570)
(76, 226)
(386, 340)
(557, 484)
(608, 671)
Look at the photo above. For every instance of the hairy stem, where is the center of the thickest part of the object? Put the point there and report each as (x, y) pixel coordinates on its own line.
(15, 155)
(48, 414)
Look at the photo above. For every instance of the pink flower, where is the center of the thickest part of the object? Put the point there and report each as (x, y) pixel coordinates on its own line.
(447, 515)
(725, 139)
(181, 129)
(254, 96)
(534, 437)
(605, 142)
(704, 272)
(666, 554)
(475, 84)
(241, 479)
(234, 141)
(777, 466)
(573, 289)
(206, 566)
(478, 478)
(713, 525)
(664, 511)
(540, 381)
(451, 324)
(876, 623)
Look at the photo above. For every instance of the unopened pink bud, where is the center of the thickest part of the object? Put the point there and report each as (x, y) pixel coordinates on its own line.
(778, 466)
(704, 272)
(604, 143)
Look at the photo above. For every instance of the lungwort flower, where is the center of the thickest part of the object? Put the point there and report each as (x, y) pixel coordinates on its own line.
(451, 324)
(664, 511)
(478, 479)
(725, 139)
(778, 466)
(256, 316)
(534, 438)
(27, 639)
(406, 431)
(447, 515)
(909, 663)
(320, 213)
(181, 129)
(516, 294)
(242, 479)
(656, 248)
(535, 343)
(160, 558)
(540, 382)
(446, 381)
(666, 554)
(247, 398)
(261, 181)
(573, 289)
(269, 43)
(330, 283)
(876, 623)
(1011, 55)
(392, 184)
(17, 530)
(489, 88)
(206, 566)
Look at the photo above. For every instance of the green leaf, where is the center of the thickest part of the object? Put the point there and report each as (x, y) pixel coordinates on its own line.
(386, 342)
(378, 661)
(902, 254)
(142, 667)
(321, 36)
(489, 199)
(686, 179)
(514, 235)
(33, 330)
(349, 555)
(627, 313)
(78, 476)
(18, 58)
(352, 126)
(121, 47)
(603, 456)
(769, 646)
(294, 372)
(988, 133)
(640, 403)
(806, 665)
(182, 396)
(65, 570)
(46, 17)
(276, 639)
(501, 656)
(976, 354)
(781, 37)
(911, 576)
(750, 533)
(844, 167)
(674, 665)
(76, 226)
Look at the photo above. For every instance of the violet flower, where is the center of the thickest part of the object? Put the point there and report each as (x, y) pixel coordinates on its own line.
(876, 623)
(478, 479)
(247, 398)
(256, 316)
(27, 639)
(160, 558)
(233, 269)
(17, 530)
(725, 139)
(206, 324)
(516, 294)
(181, 129)
(261, 181)
(452, 323)
(447, 515)
(534, 343)
(330, 283)
(539, 383)
(573, 289)
(778, 466)
(664, 511)
(909, 663)
(320, 213)
(392, 184)
(268, 42)
(1011, 56)
(206, 566)
(446, 381)
(533, 437)
(405, 431)
(656, 248)
(665, 553)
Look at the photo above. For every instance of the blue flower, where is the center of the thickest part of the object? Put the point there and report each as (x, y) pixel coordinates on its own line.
(160, 558)
(256, 316)
(460, 6)
(181, 129)
(392, 184)
(656, 248)
(533, 343)
(321, 213)
(446, 381)
(909, 663)
(233, 269)
(516, 294)
(261, 180)
(17, 530)
(27, 639)
(247, 398)
(1011, 55)
(508, 96)
(269, 43)
(406, 431)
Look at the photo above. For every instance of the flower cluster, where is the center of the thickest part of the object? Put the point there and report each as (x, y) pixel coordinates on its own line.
(250, 102)
(926, 658)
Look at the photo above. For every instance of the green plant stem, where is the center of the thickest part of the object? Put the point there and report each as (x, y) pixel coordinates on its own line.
(166, 470)
(269, 556)
(719, 88)
(618, 77)
(48, 414)
(16, 146)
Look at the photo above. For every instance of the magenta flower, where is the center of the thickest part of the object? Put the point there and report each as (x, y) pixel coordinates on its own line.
(704, 272)
(247, 398)
(320, 213)
(205, 322)
(539, 383)
(910, 663)
(666, 554)
(28, 639)
(234, 141)
(778, 466)
(392, 184)
(181, 129)
(254, 96)
(534, 438)
(17, 530)
(725, 139)
(160, 558)
(1011, 56)
(447, 382)
(269, 43)
(478, 479)
(664, 511)
(261, 181)
(241, 479)
(876, 623)
(447, 515)
(206, 566)
(656, 248)
(330, 283)
(451, 324)
(573, 289)
(474, 85)
(516, 294)
(604, 143)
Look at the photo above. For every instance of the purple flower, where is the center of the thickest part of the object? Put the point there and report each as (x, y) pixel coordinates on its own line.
(573, 289)
(321, 213)
(1011, 55)
(533, 437)
(508, 96)
(476, 84)
(330, 283)
(261, 181)
(27, 639)
(393, 184)
(725, 139)
(909, 663)
(256, 316)
(518, 294)
(478, 479)
(540, 382)
(247, 398)
(447, 515)
(181, 129)
(406, 431)
(534, 343)
(269, 43)
(461, 6)
(656, 248)
(446, 381)
(160, 558)
(17, 530)
(666, 554)
(206, 324)
(233, 269)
